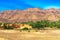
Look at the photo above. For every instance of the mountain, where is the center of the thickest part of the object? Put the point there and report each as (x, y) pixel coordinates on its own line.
(30, 14)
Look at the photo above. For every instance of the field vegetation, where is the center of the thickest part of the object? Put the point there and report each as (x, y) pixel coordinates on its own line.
(43, 24)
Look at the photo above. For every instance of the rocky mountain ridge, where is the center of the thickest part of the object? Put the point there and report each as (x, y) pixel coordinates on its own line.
(30, 14)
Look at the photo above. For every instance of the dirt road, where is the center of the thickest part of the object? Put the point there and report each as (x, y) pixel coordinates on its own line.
(42, 35)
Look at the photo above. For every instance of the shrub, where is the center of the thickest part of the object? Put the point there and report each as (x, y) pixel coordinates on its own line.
(32, 24)
(7, 26)
(25, 28)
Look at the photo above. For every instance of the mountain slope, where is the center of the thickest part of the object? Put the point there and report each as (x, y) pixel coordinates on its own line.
(31, 14)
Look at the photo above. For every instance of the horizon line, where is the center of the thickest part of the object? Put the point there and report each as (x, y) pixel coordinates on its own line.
(29, 8)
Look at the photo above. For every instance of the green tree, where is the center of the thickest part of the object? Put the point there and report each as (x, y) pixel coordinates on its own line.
(58, 24)
(41, 24)
(31, 24)
(51, 24)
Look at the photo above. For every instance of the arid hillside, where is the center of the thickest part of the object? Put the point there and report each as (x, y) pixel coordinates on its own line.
(30, 14)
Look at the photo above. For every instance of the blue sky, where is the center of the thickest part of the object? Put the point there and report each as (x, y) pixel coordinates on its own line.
(23, 4)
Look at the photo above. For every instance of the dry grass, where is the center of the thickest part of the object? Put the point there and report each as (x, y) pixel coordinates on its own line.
(41, 35)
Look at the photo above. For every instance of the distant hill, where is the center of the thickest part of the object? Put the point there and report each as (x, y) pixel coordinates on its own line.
(30, 14)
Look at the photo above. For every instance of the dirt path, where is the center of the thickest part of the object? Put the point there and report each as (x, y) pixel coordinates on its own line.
(15, 35)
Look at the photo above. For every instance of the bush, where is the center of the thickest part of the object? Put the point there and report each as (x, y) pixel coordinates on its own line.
(36, 25)
(28, 30)
(0, 23)
(25, 28)
(32, 24)
(57, 24)
(7, 27)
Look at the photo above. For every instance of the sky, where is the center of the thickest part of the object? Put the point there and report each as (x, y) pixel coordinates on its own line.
(24, 4)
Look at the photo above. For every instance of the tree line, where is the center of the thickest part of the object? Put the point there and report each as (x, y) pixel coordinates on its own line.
(37, 25)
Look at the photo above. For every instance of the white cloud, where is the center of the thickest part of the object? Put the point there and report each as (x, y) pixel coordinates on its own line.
(48, 7)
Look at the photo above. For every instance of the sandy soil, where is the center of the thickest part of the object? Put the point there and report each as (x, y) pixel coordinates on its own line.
(41, 35)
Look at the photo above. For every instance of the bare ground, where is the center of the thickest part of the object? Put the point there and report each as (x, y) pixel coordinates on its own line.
(41, 35)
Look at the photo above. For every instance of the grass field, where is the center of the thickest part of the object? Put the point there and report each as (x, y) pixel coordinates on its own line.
(41, 35)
